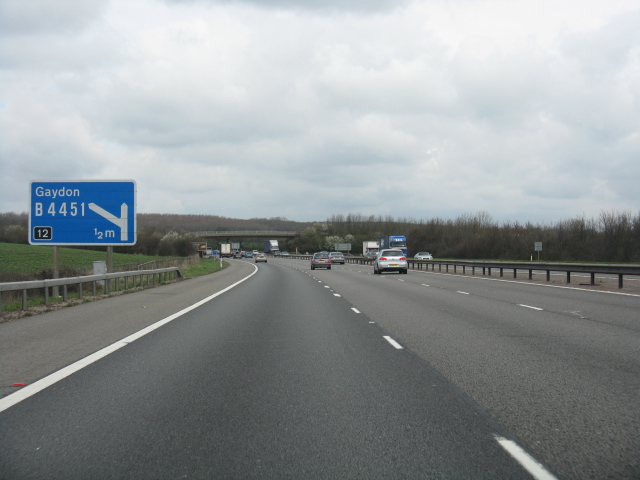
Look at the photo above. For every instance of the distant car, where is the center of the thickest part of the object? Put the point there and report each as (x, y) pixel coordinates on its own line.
(284, 254)
(337, 257)
(255, 252)
(261, 257)
(248, 255)
(370, 255)
(320, 260)
(392, 260)
(423, 256)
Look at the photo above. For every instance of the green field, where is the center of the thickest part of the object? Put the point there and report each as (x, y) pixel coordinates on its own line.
(31, 259)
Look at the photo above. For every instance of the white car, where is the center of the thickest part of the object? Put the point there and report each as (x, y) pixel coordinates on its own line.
(391, 260)
(423, 256)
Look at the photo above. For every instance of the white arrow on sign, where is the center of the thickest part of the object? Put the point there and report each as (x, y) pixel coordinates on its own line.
(121, 222)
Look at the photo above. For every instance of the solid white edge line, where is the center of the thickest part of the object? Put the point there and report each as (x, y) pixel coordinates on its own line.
(393, 342)
(529, 306)
(39, 385)
(527, 461)
(531, 283)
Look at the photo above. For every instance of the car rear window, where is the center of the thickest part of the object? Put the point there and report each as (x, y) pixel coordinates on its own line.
(392, 253)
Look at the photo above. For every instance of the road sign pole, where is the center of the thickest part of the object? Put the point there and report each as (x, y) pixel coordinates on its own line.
(56, 271)
(110, 259)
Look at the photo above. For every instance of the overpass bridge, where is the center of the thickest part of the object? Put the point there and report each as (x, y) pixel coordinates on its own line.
(244, 234)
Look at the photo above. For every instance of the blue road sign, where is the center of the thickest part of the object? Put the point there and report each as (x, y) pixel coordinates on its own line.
(82, 212)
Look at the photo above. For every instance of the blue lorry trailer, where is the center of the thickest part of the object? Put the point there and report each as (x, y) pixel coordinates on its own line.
(394, 241)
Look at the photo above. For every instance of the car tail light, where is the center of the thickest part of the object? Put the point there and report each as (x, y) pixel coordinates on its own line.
(403, 258)
(383, 258)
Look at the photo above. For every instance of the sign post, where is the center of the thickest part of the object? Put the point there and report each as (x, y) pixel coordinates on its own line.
(538, 248)
(82, 212)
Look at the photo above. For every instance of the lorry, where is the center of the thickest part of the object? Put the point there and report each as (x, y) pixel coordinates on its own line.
(394, 241)
(225, 250)
(370, 246)
(271, 246)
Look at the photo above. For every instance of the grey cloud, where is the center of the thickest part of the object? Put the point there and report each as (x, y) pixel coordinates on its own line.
(332, 6)
(302, 111)
(27, 17)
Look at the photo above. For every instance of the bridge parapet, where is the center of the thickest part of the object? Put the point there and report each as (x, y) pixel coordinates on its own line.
(246, 233)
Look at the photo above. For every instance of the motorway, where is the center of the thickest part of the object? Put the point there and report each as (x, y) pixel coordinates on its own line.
(326, 374)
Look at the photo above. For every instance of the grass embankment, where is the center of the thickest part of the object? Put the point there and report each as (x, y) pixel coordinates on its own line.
(19, 262)
(32, 259)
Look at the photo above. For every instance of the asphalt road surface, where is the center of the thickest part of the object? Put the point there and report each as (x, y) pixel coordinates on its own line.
(329, 374)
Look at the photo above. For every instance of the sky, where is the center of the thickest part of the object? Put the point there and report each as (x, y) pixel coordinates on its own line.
(527, 110)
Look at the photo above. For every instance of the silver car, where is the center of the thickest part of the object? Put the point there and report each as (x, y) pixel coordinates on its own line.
(321, 260)
(391, 260)
(337, 257)
(423, 256)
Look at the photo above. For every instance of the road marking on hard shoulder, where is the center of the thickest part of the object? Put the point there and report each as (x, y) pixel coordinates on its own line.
(355, 310)
(393, 342)
(35, 387)
(336, 294)
(463, 293)
(529, 306)
(535, 468)
(624, 294)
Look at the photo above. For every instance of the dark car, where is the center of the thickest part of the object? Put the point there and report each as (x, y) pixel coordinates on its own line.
(320, 260)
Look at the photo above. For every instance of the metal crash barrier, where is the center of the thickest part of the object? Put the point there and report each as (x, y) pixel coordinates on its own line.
(109, 281)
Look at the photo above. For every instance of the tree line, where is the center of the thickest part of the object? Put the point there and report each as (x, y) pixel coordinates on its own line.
(611, 237)
(161, 234)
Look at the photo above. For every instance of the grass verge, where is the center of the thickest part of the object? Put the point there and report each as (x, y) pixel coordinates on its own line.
(13, 309)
